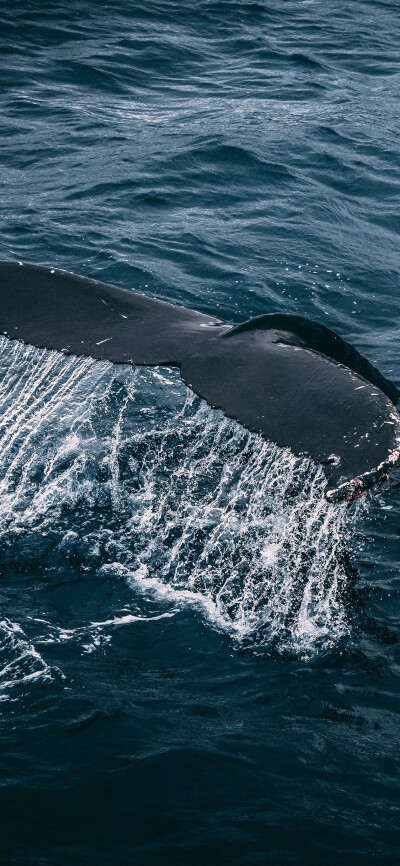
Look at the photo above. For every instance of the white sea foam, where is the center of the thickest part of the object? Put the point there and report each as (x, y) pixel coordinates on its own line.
(20, 661)
(93, 634)
(184, 503)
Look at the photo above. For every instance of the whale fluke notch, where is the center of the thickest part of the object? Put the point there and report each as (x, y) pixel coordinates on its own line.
(292, 380)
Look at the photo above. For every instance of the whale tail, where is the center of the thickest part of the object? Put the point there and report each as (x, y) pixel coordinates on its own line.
(293, 381)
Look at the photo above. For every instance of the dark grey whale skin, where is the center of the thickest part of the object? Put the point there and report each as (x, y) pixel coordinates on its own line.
(291, 380)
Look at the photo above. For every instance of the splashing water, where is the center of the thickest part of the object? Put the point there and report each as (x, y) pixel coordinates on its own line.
(20, 662)
(124, 471)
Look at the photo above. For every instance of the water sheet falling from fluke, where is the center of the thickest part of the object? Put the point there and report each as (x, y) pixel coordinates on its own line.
(293, 381)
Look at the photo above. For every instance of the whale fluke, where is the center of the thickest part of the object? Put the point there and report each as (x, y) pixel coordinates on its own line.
(292, 380)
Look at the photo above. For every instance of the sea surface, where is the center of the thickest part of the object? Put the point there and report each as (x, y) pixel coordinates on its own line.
(199, 656)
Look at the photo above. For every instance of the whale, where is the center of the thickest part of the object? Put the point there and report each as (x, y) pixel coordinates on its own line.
(293, 381)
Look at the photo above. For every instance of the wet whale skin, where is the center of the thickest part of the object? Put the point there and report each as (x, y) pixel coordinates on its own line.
(292, 380)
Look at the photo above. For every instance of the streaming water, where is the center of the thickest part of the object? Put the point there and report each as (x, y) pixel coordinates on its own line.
(124, 472)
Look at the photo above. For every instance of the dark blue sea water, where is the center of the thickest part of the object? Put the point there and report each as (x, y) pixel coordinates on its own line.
(199, 657)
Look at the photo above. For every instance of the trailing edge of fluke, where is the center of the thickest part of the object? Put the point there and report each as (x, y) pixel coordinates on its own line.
(293, 381)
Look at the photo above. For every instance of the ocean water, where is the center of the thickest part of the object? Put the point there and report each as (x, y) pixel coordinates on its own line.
(199, 656)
